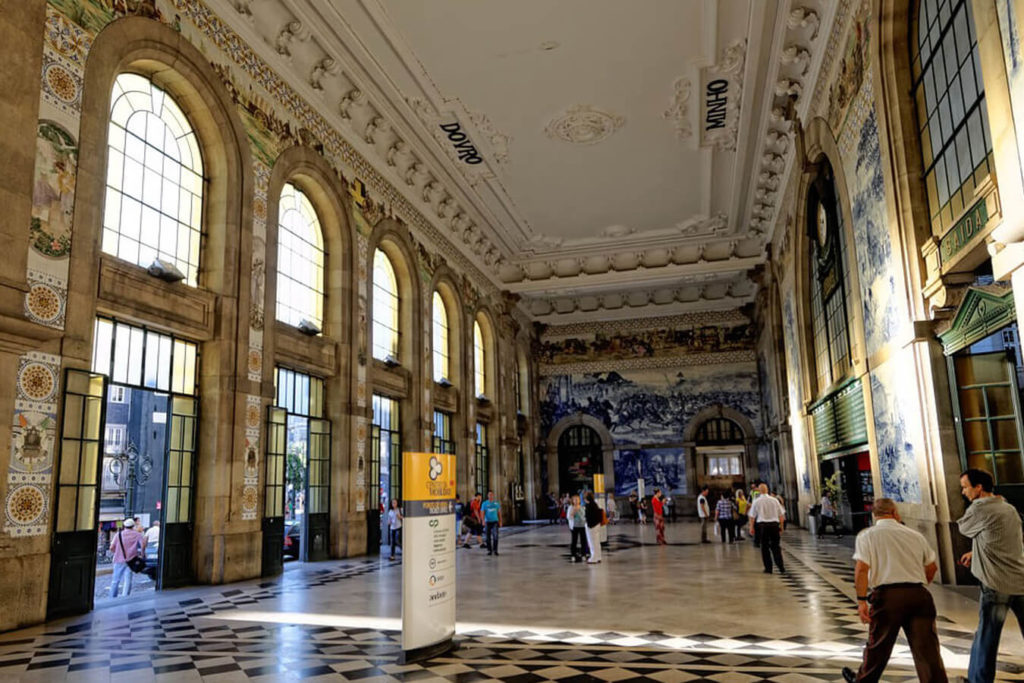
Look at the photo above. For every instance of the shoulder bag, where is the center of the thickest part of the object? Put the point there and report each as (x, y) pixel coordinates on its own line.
(137, 563)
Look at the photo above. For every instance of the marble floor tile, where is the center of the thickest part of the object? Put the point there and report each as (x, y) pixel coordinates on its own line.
(680, 612)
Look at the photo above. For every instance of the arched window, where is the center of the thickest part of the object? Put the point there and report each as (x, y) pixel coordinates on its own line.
(440, 336)
(952, 119)
(153, 206)
(300, 260)
(479, 361)
(719, 431)
(829, 280)
(385, 307)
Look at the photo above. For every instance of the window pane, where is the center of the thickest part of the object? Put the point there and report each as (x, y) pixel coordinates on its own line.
(159, 152)
(300, 284)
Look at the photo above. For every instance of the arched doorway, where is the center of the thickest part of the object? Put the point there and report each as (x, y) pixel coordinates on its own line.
(580, 457)
(720, 445)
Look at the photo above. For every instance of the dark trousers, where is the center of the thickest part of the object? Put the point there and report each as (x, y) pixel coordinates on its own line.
(908, 607)
(770, 536)
(726, 526)
(757, 535)
(394, 539)
(492, 537)
(579, 535)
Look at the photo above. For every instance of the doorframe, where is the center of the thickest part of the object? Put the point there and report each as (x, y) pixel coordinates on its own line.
(550, 446)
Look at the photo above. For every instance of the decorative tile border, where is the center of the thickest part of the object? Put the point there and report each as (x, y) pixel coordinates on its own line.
(33, 438)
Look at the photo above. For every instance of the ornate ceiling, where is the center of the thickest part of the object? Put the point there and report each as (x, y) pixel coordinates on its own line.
(599, 161)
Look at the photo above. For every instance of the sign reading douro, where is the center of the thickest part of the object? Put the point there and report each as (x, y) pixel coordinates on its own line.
(428, 555)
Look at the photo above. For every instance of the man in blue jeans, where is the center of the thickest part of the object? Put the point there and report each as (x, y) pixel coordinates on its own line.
(997, 561)
(492, 518)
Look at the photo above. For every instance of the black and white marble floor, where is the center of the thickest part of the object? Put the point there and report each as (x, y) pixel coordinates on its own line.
(677, 613)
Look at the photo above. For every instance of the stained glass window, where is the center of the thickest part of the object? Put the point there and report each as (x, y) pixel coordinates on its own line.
(440, 336)
(385, 307)
(956, 145)
(154, 196)
(300, 260)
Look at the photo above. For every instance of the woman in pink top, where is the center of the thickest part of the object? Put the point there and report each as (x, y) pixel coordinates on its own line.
(126, 544)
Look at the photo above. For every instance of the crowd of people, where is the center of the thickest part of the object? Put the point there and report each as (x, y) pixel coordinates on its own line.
(893, 564)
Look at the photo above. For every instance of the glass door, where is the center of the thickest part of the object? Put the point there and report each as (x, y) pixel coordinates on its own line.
(385, 468)
(988, 418)
(275, 543)
(73, 559)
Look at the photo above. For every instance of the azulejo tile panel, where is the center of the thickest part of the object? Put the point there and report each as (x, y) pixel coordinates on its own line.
(33, 435)
(897, 429)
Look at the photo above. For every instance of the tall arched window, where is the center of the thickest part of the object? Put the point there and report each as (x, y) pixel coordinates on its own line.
(300, 260)
(479, 361)
(153, 208)
(829, 280)
(440, 336)
(385, 307)
(956, 145)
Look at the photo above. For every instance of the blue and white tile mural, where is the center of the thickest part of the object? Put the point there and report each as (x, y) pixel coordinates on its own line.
(651, 406)
(796, 391)
(1014, 60)
(897, 436)
(663, 468)
(883, 314)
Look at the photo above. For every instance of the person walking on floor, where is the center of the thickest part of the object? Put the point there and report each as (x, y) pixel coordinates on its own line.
(704, 513)
(768, 517)
(475, 506)
(742, 505)
(126, 545)
(578, 530)
(594, 517)
(997, 561)
(724, 512)
(658, 508)
(491, 510)
(894, 564)
(394, 526)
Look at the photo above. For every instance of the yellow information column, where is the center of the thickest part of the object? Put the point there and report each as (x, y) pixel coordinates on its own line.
(428, 555)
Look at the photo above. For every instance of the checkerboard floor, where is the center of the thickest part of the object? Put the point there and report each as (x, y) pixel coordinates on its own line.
(639, 616)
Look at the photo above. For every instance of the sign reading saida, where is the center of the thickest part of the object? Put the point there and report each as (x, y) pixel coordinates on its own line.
(428, 555)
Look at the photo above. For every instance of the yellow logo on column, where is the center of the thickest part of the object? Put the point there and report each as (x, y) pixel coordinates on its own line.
(428, 476)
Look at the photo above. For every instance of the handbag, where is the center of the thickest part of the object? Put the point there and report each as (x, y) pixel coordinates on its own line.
(136, 564)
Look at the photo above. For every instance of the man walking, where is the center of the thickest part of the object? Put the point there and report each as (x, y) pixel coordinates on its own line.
(770, 519)
(896, 562)
(126, 545)
(997, 561)
(658, 507)
(492, 519)
(704, 513)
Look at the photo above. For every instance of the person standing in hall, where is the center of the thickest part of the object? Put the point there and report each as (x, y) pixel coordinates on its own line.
(658, 507)
(478, 515)
(768, 517)
(742, 505)
(394, 526)
(704, 513)
(997, 561)
(896, 562)
(724, 512)
(594, 518)
(491, 510)
(577, 530)
(126, 544)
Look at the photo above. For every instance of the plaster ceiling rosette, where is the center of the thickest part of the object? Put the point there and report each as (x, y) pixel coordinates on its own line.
(583, 125)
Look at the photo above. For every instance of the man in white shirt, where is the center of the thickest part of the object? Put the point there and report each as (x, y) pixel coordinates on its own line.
(704, 513)
(768, 520)
(896, 562)
(153, 534)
